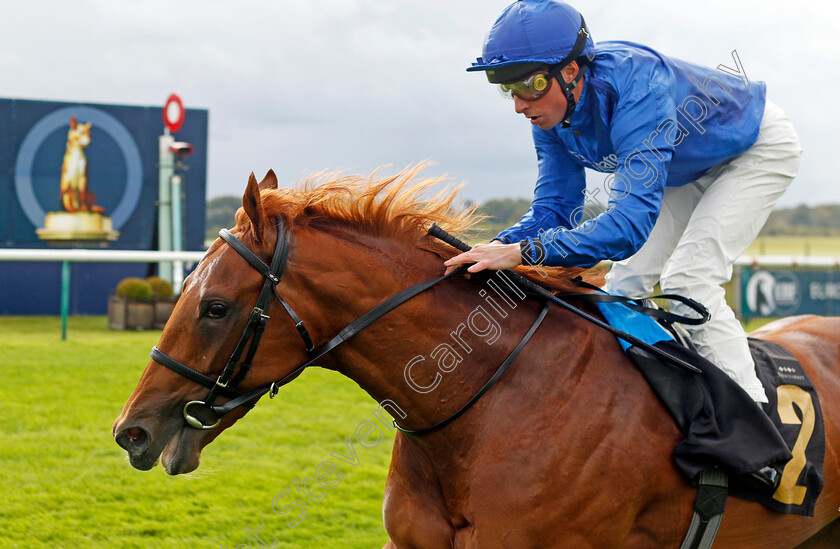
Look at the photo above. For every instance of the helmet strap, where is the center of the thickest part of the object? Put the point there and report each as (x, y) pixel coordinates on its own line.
(567, 87)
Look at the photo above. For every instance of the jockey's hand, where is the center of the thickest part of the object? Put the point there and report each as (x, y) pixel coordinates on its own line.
(496, 256)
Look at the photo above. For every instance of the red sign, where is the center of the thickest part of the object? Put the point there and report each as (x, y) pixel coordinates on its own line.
(173, 113)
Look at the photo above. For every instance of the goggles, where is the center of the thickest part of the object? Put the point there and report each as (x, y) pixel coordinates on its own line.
(530, 88)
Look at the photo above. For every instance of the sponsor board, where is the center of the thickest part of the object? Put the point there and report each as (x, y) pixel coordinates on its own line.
(776, 293)
(85, 175)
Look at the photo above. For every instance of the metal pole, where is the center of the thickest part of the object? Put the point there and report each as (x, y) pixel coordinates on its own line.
(65, 297)
(737, 300)
(743, 278)
(166, 167)
(177, 232)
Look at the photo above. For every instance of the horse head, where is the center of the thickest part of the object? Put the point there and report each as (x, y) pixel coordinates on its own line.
(208, 320)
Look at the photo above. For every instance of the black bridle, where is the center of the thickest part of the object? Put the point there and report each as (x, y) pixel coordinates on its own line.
(225, 384)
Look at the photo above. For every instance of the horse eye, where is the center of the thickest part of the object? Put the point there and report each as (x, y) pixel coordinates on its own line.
(217, 310)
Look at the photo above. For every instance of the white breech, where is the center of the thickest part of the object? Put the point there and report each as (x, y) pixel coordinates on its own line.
(703, 227)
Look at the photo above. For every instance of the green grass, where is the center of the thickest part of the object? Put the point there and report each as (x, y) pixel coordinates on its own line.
(65, 482)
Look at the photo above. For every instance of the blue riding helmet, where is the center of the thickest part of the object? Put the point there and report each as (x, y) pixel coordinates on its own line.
(531, 34)
(534, 31)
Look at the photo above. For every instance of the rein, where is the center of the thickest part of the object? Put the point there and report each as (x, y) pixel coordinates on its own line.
(537, 290)
(254, 329)
(225, 384)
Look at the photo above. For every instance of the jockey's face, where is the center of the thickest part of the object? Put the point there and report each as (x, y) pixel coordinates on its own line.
(547, 111)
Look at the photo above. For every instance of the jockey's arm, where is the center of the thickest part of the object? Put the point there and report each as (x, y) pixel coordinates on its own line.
(635, 190)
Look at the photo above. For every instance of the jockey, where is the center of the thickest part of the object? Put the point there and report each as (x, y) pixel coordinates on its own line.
(698, 158)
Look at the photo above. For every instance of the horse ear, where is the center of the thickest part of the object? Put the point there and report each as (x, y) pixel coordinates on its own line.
(269, 181)
(252, 203)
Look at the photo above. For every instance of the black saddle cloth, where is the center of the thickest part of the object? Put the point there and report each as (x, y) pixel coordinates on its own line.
(723, 427)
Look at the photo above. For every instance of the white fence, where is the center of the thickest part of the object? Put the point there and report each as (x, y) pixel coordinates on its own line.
(67, 256)
(99, 256)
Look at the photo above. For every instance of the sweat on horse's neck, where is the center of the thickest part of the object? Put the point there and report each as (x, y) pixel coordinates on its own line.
(434, 352)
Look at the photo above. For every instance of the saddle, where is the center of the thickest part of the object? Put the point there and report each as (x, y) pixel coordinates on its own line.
(723, 427)
(726, 433)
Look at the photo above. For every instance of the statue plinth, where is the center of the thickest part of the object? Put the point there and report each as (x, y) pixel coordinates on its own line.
(66, 227)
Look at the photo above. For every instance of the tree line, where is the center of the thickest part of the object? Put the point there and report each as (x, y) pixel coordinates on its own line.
(501, 213)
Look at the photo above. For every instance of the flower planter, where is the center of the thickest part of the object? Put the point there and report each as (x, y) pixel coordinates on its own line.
(129, 314)
(139, 304)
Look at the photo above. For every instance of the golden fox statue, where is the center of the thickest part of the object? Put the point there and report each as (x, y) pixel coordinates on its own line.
(75, 196)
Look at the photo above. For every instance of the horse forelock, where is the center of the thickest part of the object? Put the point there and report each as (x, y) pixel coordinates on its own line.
(397, 207)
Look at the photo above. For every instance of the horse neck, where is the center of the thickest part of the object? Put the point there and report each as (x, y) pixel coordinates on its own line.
(432, 353)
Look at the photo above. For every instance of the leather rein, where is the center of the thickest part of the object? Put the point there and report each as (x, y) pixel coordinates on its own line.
(226, 383)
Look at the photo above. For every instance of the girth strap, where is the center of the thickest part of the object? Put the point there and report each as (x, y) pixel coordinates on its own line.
(712, 492)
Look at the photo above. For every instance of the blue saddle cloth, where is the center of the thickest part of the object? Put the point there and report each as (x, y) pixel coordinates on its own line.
(643, 327)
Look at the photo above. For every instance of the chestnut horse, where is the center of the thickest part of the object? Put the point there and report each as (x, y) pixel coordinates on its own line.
(569, 449)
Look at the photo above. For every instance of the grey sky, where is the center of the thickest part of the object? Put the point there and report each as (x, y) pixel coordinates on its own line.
(353, 84)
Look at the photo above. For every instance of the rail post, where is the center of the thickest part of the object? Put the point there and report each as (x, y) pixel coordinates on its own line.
(65, 297)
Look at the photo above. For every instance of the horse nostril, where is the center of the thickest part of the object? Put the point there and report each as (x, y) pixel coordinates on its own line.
(134, 440)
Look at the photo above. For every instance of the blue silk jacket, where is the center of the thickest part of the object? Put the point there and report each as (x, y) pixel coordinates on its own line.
(651, 121)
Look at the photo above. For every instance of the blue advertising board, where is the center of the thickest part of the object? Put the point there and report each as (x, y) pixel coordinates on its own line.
(777, 293)
(95, 161)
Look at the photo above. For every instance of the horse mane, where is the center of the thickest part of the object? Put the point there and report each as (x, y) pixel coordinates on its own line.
(396, 208)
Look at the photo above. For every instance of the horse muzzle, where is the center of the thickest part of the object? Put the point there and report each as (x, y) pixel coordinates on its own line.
(144, 442)
(135, 439)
